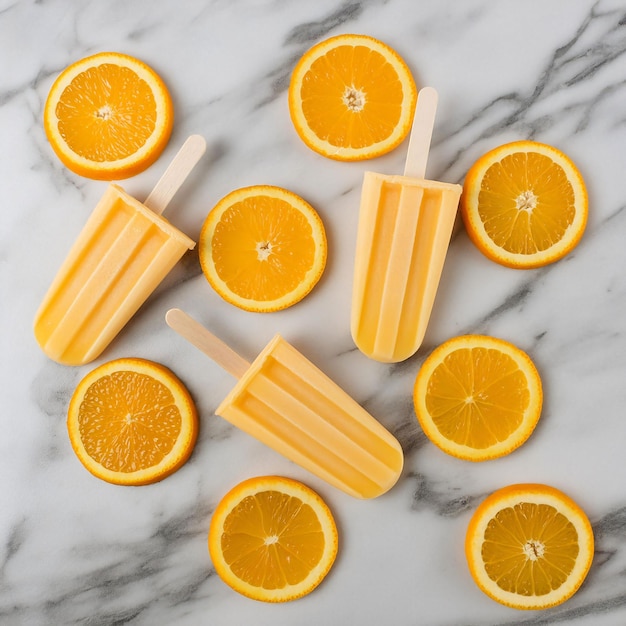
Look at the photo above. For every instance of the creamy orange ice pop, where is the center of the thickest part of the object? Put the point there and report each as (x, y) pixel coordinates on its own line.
(287, 403)
(124, 251)
(405, 224)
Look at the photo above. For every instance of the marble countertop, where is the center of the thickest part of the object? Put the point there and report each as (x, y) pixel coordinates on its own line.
(76, 550)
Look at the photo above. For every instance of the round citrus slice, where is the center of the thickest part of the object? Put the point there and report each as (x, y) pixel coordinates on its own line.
(262, 248)
(108, 116)
(529, 546)
(272, 539)
(524, 204)
(132, 422)
(352, 97)
(478, 397)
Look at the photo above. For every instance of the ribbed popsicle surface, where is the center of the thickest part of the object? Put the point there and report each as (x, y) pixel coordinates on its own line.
(290, 405)
(122, 254)
(404, 231)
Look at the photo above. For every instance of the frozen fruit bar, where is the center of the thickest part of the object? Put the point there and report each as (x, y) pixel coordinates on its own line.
(405, 224)
(124, 251)
(287, 403)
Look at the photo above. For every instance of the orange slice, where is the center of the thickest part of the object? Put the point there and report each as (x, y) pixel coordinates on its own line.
(108, 116)
(529, 546)
(352, 97)
(132, 422)
(272, 539)
(262, 248)
(524, 204)
(478, 397)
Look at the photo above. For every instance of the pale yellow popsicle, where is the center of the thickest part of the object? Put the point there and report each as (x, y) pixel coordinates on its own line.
(122, 254)
(290, 405)
(405, 225)
(404, 230)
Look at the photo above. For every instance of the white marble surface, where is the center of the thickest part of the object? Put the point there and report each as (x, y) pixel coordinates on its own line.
(75, 550)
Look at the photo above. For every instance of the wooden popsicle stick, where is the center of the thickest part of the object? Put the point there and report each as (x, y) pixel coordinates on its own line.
(176, 173)
(207, 342)
(421, 133)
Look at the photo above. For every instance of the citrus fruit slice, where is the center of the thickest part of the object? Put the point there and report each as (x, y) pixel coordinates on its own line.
(272, 539)
(262, 248)
(352, 97)
(524, 204)
(529, 546)
(108, 116)
(478, 397)
(132, 422)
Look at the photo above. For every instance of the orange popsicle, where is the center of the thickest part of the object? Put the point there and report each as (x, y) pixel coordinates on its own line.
(123, 252)
(287, 403)
(405, 225)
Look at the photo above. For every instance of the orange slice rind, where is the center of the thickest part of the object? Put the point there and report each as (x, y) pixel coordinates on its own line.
(262, 248)
(478, 397)
(272, 539)
(132, 422)
(524, 204)
(529, 546)
(108, 116)
(352, 97)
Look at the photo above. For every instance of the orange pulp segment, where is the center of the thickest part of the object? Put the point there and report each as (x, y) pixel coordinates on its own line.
(352, 97)
(478, 397)
(529, 546)
(263, 248)
(272, 539)
(132, 422)
(108, 116)
(524, 204)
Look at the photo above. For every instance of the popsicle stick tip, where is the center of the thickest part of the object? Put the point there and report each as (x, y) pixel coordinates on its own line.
(176, 173)
(172, 314)
(205, 341)
(428, 92)
(177, 319)
(421, 133)
(196, 142)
